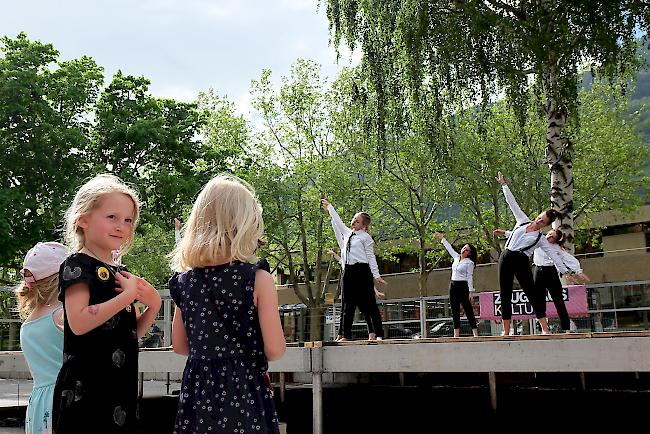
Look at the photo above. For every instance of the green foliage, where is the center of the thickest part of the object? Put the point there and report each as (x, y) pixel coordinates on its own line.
(44, 107)
(400, 154)
(608, 164)
(477, 51)
(58, 128)
(489, 141)
(610, 154)
(295, 162)
(149, 142)
(148, 256)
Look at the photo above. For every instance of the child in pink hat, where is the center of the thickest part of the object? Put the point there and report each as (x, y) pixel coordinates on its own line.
(41, 335)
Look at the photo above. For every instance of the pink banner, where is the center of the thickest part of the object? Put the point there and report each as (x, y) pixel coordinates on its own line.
(575, 299)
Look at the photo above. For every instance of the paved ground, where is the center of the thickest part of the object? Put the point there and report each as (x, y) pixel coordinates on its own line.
(15, 393)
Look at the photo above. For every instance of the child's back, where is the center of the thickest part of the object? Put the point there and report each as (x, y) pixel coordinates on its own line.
(223, 383)
(41, 335)
(42, 343)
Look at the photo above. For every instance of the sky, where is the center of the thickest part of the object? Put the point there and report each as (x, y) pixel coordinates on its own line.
(183, 46)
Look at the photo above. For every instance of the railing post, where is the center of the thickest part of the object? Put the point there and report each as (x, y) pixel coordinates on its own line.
(423, 318)
(317, 387)
(493, 390)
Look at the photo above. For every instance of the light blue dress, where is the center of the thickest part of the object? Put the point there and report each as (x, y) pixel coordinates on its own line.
(42, 344)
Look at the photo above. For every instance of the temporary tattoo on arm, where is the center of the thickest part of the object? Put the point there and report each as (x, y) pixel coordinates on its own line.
(93, 310)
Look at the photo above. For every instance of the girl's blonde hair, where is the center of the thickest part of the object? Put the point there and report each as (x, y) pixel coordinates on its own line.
(87, 199)
(36, 294)
(225, 225)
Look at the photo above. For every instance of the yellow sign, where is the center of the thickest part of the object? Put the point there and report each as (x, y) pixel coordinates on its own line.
(329, 298)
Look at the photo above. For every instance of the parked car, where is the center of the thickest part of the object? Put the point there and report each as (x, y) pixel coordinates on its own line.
(395, 331)
(446, 329)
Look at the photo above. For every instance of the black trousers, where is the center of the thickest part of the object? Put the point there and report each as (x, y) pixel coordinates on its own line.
(359, 291)
(459, 294)
(547, 278)
(517, 264)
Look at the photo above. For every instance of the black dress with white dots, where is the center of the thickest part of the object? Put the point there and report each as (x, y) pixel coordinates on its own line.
(223, 386)
(96, 389)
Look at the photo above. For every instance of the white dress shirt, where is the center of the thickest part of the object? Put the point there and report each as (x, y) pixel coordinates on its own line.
(541, 259)
(361, 244)
(519, 239)
(461, 269)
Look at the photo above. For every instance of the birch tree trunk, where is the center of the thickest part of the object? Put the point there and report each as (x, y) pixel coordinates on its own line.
(559, 157)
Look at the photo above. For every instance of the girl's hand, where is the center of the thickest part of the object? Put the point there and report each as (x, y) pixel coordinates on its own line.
(571, 278)
(380, 280)
(584, 277)
(439, 236)
(498, 232)
(379, 294)
(500, 179)
(324, 203)
(147, 294)
(128, 284)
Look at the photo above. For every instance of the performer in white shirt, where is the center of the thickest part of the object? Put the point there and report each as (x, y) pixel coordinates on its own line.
(547, 278)
(359, 268)
(336, 256)
(462, 283)
(524, 238)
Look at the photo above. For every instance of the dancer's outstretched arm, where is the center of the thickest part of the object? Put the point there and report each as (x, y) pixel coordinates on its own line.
(340, 230)
(512, 202)
(572, 263)
(440, 237)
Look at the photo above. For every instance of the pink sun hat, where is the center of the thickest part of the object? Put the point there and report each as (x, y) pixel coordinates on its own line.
(43, 260)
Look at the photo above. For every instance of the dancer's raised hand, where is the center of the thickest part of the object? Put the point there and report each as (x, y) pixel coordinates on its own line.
(324, 203)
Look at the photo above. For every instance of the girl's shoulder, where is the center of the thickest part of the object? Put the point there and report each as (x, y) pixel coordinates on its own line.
(81, 268)
(78, 259)
(77, 267)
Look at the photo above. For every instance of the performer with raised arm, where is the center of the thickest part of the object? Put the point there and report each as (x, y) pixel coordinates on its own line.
(462, 283)
(514, 261)
(359, 267)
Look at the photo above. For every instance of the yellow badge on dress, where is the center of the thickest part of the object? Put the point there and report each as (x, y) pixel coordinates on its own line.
(102, 273)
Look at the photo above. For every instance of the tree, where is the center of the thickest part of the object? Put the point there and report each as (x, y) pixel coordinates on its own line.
(498, 46)
(400, 158)
(610, 153)
(44, 110)
(608, 163)
(295, 163)
(153, 143)
(179, 164)
(148, 256)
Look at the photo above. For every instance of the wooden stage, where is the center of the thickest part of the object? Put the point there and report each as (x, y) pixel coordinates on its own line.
(578, 353)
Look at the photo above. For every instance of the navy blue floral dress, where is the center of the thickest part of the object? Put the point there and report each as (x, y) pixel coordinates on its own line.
(223, 386)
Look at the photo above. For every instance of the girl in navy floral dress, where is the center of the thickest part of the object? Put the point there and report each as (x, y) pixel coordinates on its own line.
(226, 317)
